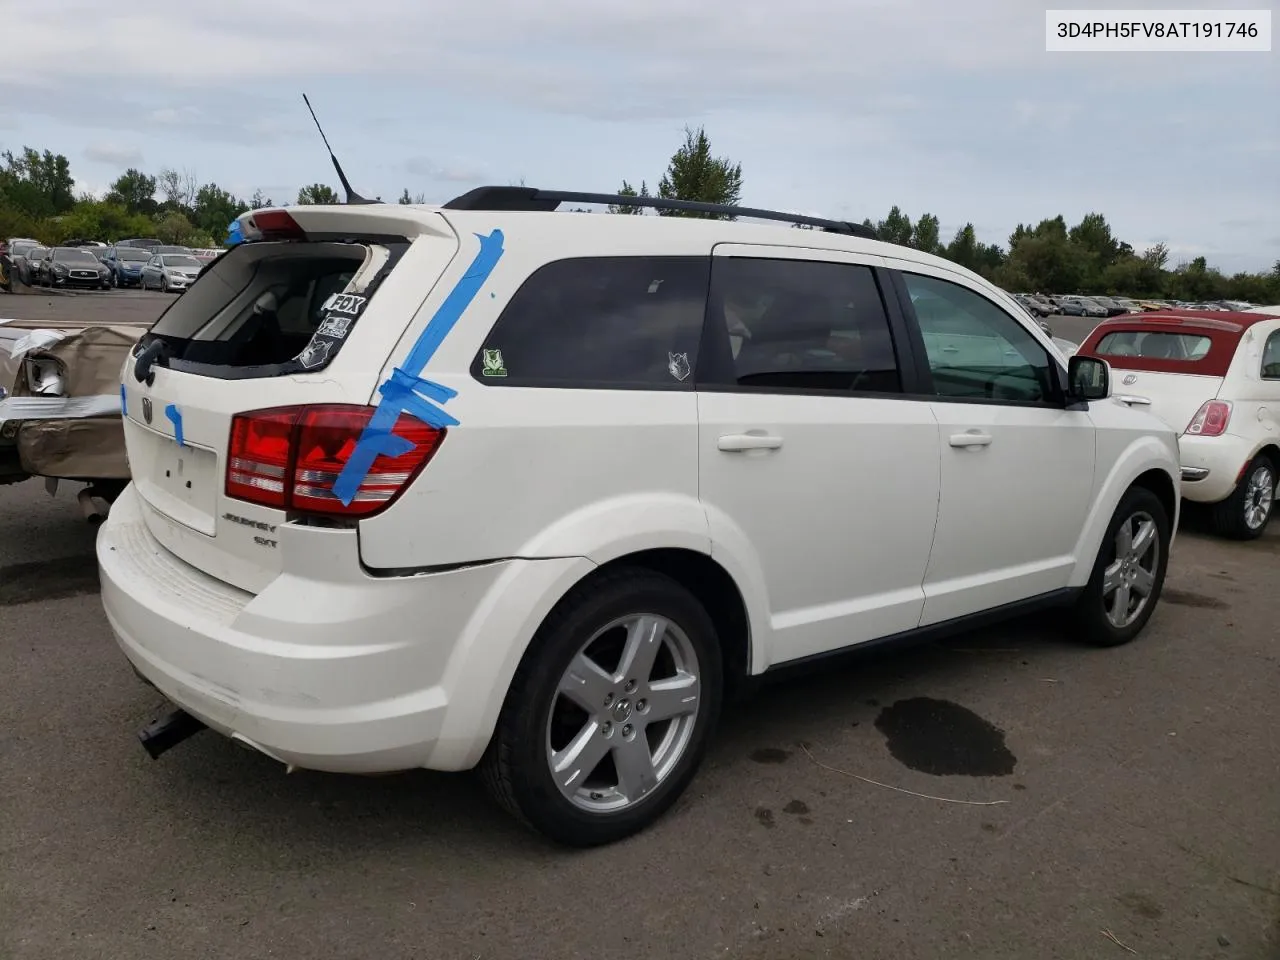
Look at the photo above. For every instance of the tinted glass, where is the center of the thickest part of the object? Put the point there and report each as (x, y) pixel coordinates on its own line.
(1271, 358)
(602, 322)
(74, 255)
(801, 325)
(181, 261)
(1154, 344)
(976, 350)
(131, 255)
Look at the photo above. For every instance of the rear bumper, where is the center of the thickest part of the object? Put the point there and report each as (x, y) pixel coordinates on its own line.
(328, 668)
(1211, 465)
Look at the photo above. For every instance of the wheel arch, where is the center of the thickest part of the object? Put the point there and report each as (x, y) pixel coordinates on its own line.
(1147, 462)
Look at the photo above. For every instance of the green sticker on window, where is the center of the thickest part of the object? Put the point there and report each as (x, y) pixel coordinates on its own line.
(493, 365)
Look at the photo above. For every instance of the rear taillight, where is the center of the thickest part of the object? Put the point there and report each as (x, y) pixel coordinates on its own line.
(289, 458)
(1211, 419)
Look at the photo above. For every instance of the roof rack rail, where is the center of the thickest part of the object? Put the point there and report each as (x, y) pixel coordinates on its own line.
(531, 198)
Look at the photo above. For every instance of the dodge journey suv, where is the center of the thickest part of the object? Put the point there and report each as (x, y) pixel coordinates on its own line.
(490, 485)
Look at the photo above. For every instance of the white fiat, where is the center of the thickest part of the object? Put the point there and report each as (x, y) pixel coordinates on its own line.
(491, 485)
(1215, 378)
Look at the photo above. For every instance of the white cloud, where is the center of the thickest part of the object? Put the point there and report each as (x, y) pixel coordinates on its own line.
(454, 171)
(113, 153)
(175, 115)
(843, 108)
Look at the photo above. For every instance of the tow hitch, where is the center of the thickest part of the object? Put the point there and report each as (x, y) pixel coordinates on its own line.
(168, 731)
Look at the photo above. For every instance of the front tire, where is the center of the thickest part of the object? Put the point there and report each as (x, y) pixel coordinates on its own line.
(1244, 515)
(610, 712)
(1128, 574)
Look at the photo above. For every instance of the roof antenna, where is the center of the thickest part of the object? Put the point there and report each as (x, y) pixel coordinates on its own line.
(352, 196)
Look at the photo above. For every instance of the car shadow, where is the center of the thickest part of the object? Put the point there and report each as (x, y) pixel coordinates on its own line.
(336, 817)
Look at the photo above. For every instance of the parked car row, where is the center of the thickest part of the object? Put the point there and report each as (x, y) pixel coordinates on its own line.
(1078, 305)
(137, 262)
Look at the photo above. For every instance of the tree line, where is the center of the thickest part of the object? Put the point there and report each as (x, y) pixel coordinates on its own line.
(38, 199)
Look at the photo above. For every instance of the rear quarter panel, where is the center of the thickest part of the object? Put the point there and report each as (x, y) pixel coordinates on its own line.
(540, 472)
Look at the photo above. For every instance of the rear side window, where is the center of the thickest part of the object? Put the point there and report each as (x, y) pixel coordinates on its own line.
(802, 325)
(270, 309)
(1271, 358)
(601, 322)
(1154, 344)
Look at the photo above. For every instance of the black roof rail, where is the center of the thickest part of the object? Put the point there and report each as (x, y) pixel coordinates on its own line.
(531, 198)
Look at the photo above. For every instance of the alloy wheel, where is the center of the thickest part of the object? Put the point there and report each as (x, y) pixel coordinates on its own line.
(1258, 497)
(623, 714)
(1130, 578)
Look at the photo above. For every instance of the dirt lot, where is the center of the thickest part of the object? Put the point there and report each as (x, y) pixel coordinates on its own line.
(1065, 803)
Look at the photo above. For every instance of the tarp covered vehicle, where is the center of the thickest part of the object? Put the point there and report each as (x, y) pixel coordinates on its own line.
(60, 403)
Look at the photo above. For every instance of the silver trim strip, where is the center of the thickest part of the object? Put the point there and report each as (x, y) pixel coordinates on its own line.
(59, 408)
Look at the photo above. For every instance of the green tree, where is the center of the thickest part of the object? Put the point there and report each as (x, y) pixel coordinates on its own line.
(135, 191)
(176, 228)
(895, 228)
(963, 249)
(214, 208)
(101, 220)
(627, 190)
(260, 200)
(694, 174)
(38, 184)
(317, 193)
(1157, 256)
(1093, 233)
(925, 236)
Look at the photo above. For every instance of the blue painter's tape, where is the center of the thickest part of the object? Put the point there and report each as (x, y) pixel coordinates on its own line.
(405, 391)
(124, 402)
(175, 415)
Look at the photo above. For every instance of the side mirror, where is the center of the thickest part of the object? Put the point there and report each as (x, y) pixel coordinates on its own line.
(1088, 378)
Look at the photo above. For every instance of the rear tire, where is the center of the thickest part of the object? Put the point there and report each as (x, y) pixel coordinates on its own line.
(1125, 586)
(624, 743)
(1244, 515)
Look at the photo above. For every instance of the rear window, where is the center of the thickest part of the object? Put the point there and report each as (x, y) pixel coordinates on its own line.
(1154, 344)
(603, 322)
(271, 309)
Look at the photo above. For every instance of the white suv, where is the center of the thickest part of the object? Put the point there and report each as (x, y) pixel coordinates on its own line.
(488, 484)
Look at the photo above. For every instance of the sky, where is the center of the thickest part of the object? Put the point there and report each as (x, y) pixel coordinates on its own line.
(838, 108)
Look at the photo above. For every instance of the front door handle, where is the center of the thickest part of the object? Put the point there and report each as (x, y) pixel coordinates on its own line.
(971, 438)
(738, 442)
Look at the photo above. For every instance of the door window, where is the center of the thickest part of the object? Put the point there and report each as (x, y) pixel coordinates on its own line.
(976, 350)
(799, 325)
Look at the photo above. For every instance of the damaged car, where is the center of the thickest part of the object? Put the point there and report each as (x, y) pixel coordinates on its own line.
(60, 405)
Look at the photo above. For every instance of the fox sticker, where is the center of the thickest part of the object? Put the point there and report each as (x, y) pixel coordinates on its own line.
(493, 365)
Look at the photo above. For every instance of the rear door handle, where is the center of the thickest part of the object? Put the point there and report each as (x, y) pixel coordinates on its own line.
(971, 438)
(738, 442)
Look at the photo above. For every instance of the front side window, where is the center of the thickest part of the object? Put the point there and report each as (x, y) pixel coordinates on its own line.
(801, 325)
(600, 322)
(1271, 357)
(976, 350)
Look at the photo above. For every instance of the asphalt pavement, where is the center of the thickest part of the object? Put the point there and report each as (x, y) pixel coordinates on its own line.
(1006, 794)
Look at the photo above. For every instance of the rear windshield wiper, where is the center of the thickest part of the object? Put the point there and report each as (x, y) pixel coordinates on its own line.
(154, 351)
